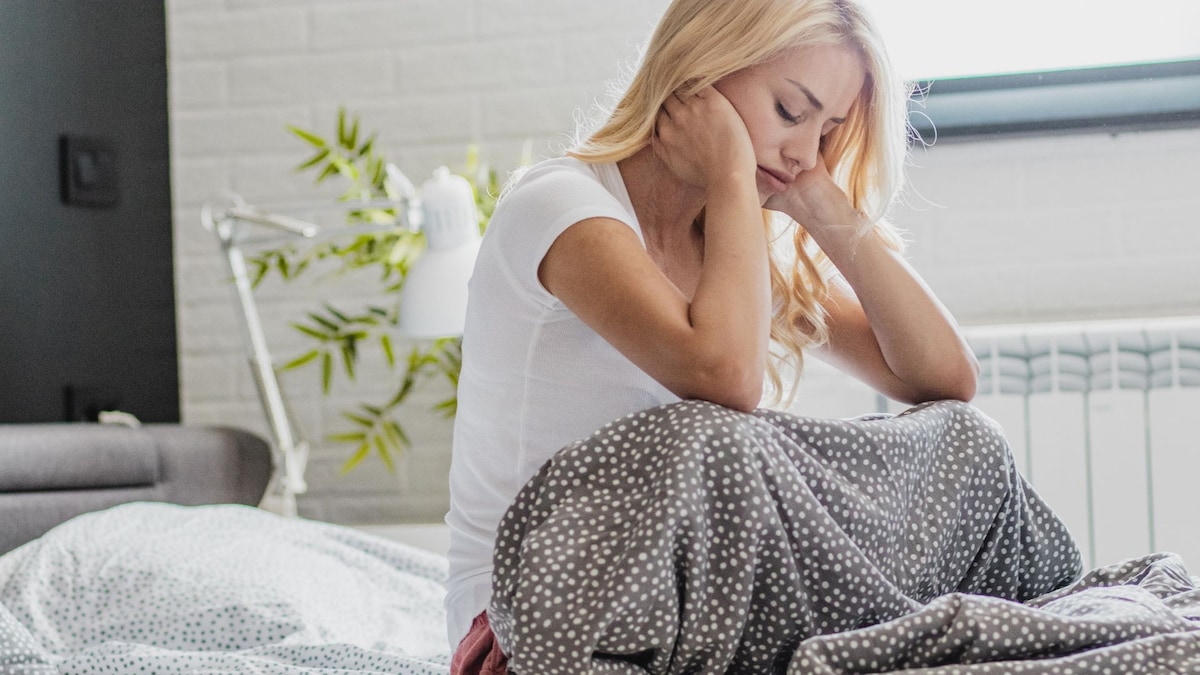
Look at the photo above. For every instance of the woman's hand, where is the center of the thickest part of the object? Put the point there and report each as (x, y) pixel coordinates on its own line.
(702, 139)
(813, 200)
(888, 328)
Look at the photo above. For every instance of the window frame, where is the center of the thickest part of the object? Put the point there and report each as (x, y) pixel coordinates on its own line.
(1109, 99)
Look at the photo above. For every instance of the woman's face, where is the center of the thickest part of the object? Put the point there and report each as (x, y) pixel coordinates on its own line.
(788, 105)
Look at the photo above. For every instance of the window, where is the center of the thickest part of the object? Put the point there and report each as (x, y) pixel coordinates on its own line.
(1045, 66)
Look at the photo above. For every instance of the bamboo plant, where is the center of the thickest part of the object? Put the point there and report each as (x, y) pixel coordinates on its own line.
(338, 335)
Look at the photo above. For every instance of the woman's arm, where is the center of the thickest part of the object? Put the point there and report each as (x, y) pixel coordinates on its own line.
(888, 329)
(895, 335)
(714, 345)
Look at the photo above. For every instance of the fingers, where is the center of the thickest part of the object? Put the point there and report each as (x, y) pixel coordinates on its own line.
(696, 135)
(672, 110)
(664, 112)
(673, 101)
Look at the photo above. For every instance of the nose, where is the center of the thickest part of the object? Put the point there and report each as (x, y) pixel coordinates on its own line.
(803, 147)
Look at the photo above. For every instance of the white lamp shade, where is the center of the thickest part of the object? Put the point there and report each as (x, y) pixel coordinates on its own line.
(433, 303)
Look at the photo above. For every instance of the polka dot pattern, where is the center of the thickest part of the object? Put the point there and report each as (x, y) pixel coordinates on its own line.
(1139, 616)
(691, 538)
(159, 588)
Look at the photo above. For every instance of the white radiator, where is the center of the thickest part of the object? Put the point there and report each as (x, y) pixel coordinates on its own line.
(1104, 420)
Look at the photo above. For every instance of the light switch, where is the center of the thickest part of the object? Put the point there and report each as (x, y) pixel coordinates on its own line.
(88, 171)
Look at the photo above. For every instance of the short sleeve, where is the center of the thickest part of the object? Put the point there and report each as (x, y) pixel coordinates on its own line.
(547, 200)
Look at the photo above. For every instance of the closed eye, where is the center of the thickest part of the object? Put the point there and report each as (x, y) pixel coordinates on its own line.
(787, 116)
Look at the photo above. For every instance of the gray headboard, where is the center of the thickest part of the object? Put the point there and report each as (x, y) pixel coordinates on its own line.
(50, 473)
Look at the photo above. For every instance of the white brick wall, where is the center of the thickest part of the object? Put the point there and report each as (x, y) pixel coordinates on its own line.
(1077, 227)
(1015, 230)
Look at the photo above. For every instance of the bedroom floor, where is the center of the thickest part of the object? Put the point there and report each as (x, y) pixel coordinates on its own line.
(434, 537)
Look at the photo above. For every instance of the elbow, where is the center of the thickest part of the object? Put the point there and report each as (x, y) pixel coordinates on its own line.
(958, 381)
(730, 380)
(745, 398)
(961, 390)
(967, 378)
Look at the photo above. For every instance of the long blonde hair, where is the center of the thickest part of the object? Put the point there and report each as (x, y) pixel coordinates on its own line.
(698, 42)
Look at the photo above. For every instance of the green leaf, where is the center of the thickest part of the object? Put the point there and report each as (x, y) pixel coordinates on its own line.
(348, 359)
(307, 357)
(307, 136)
(350, 437)
(366, 320)
(403, 391)
(385, 342)
(359, 455)
(384, 454)
(260, 273)
(358, 419)
(330, 170)
(367, 145)
(414, 359)
(341, 126)
(336, 314)
(314, 160)
(311, 332)
(326, 371)
(377, 174)
(317, 318)
(381, 217)
(344, 167)
(394, 434)
(352, 139)
(448, 408)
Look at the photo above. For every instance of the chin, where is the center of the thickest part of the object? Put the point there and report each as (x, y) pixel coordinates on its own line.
(764, 194)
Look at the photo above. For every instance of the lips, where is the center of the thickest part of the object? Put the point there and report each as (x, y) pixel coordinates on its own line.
(776, 179)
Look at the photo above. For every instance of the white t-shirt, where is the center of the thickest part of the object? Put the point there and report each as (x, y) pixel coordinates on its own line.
(534, 376)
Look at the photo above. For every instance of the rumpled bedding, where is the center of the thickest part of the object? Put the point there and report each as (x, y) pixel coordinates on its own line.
(158, 588)
(695, 539)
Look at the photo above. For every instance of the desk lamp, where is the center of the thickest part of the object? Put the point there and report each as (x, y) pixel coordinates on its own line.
(433, 299)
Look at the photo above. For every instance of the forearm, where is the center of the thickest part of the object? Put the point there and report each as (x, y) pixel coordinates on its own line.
(730, 310)
(917, 337)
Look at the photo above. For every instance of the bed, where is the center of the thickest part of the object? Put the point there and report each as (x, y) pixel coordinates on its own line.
(150, 586)
(140, 550)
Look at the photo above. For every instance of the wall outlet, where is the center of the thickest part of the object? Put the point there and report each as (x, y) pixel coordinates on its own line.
(84, 404)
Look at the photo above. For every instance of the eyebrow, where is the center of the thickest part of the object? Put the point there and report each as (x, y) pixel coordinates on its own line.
(812, 98)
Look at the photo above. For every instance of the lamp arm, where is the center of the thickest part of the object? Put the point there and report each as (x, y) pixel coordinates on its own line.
(291, 452)
(274, 220)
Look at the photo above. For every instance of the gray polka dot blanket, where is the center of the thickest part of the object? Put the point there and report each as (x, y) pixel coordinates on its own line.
(695, 539)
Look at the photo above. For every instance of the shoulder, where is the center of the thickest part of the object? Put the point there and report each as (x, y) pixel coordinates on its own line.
(538, 206)
(558, 184)
(550, 196)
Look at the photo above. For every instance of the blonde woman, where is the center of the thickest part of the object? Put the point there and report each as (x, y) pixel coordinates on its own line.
(649, 266)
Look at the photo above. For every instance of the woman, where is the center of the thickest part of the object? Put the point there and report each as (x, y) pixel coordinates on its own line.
(644, 268)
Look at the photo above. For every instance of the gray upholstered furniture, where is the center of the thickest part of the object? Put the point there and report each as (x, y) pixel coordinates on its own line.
(50, 473)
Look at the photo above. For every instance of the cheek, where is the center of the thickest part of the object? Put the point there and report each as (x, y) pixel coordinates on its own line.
(764, 135)
(758, 114)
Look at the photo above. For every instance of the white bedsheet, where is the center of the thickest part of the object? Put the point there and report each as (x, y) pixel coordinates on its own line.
(160, 588)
